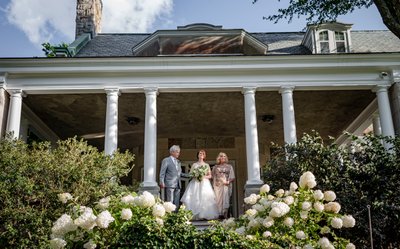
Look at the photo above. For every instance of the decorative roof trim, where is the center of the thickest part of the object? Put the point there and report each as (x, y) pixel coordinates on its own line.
(331, 26)
(200, 26)
(177, 74)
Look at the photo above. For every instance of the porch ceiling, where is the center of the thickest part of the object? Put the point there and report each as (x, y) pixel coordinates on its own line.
(198, 114)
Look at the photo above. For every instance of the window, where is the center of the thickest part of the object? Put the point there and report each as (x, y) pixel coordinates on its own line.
(340, 42)
(332, 42)
(327, 38)
(324, 42)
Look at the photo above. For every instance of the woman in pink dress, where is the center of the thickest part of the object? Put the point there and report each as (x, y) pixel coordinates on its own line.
(199, 196)
(223, 176)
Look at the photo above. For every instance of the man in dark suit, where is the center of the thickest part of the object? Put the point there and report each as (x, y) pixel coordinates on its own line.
(170, 176)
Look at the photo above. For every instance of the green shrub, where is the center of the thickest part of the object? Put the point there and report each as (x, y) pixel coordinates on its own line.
(131, 221)
(220, 237)
(361, 175)
(31, 177)
(301, 217)
(124, 221)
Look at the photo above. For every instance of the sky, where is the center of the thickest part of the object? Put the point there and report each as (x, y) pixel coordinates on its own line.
(26, 24)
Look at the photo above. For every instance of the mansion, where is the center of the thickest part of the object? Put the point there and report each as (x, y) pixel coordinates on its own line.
(204, 87)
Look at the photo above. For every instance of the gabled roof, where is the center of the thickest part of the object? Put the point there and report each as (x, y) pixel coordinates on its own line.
(200, 39)
(205, 39)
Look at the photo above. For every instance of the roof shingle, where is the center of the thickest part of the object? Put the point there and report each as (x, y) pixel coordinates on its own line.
(285, 43)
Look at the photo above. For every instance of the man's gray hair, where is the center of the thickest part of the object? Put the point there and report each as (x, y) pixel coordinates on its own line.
(174, 148)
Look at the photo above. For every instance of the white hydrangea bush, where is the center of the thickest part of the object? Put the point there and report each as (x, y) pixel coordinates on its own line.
(301, 217)
(88, 227)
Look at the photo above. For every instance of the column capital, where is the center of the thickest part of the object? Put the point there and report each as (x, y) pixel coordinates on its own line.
(17, 93)
(150, 90)
(385, 113)
(249, 90)
(380, 88)
(286, 89)
(112, 91)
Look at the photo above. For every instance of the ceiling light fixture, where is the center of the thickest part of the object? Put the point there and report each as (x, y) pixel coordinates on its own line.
(267, 118)
(132, 120)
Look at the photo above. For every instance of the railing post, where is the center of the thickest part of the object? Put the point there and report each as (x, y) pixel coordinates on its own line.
(370, 226)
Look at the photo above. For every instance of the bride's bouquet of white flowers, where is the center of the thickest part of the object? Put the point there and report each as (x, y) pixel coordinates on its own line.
(199, 172)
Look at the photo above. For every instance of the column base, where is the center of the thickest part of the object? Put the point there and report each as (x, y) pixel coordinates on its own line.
(252, 189)
(155, 190)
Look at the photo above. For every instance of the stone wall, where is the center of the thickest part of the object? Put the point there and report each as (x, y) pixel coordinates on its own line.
(88, 17)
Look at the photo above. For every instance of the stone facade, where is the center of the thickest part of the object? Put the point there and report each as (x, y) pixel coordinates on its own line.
(88, 17)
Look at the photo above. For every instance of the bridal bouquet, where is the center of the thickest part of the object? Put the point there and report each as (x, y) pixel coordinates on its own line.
(199, 172)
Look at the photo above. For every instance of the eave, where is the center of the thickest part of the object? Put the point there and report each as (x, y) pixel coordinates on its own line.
(174, 74)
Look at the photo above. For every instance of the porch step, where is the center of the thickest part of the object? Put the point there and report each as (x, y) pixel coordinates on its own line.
(201, 224)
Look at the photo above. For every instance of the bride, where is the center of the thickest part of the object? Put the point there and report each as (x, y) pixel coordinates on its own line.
(199, 197)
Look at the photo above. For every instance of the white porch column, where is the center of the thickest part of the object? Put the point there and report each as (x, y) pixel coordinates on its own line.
(111, 132)
(253, 161)
(150, 142)
(376, 124)
(289, 123)
(14, 112)
(384, 110)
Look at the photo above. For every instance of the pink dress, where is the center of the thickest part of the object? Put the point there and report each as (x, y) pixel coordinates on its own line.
(221, 173)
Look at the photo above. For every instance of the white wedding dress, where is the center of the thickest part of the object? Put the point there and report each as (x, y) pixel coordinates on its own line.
(199, 197)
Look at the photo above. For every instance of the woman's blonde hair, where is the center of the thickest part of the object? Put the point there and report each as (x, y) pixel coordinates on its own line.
(218, 161)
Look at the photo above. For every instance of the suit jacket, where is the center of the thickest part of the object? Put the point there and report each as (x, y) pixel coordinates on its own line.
(169, 175)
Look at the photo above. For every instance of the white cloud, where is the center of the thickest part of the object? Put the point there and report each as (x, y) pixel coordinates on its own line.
(41, 20)
(128, 16)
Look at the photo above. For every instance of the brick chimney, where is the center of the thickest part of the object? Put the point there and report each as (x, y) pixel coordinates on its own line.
(88, 17)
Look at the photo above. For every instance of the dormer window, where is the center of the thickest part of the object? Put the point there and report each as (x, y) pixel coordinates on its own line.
(340, 42)
(328, 38)
(324, 42)
(332, 42)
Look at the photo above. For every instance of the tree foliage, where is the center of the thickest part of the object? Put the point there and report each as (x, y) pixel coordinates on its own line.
(364, 175)
(32, 176)
(318, 11)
